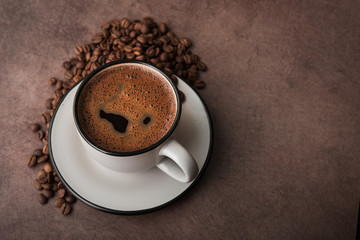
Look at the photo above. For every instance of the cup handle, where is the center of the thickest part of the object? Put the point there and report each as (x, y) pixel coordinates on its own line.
(177, 162)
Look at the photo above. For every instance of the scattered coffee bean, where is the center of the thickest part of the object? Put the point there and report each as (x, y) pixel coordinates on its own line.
(41, 173)
(47, 167)
(42, 198)
(41, 134)
(42, 179)
(54, 187)
(59, 202)
(201, 66)
(37, 185)
(52, 81)
(35, 127)
(50, 177)
(43, 158)
(48, 193)
(67, 65)
(48, 103)
(163, 28)
(46, 117)
(60, 185)
(45, 149)
(61, 193)
(56, 179)
(199, 84)
(31, 161)
(38, 153)
(65, 209)
(59, 85)
(46, 186)
(69, 198)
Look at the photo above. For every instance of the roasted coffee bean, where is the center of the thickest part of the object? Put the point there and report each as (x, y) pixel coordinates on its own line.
(128, 48)
(34, 127)
(41, 135)
(67, 84)
(67, 65)
(130, 55)
(187, 59)
(80, 65)
(65, 209)
(199, 84)
(201, 66)
(163, 28)
(164, 57)
(54, 187)
(56, 179)
(57, 94)
(37, 185)
(42, 179)
(86, 47)
(49, 177)
(144, 28)
(38, 153)
(60, 185)
(46, 186)
(45, 149)
(77, 78)
(61, 193)
(48, 103)
(186, 42)
(52, 81)
(47, 167)
(43, 158)
(97, 38)
(78, 50)
(140, 58)
(45, 117)
(41, 173)
(42, 198)
(58, 85)
(142, 39)
(69, 198)
(105, 25)
(59, 202)
(31, 161)
(48, 193)
(124, 23)
(168, 48)
(68, 75)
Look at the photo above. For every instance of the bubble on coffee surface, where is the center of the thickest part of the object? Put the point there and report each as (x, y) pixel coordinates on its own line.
(138, 94)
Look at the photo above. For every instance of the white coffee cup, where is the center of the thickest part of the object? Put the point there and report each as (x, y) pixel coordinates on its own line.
(167, 154)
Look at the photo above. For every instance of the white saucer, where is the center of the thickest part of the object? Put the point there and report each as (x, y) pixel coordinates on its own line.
(123, 193)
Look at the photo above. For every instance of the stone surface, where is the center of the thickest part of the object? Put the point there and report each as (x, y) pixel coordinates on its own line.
(283, 88)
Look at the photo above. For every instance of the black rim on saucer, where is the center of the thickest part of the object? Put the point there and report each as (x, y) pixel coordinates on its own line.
(133, 212)
(109, 152)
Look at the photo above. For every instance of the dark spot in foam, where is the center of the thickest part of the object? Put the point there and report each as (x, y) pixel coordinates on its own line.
(147, 120)
(119, 122)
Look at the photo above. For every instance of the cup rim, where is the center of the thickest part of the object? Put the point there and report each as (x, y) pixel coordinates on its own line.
(137, 152)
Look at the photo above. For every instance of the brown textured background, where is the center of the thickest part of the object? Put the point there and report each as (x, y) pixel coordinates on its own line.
(283, 88)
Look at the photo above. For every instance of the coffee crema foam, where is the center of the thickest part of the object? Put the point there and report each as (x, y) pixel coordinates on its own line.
(127, 107)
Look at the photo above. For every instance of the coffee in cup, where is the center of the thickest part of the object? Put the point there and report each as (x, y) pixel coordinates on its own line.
(127, 108)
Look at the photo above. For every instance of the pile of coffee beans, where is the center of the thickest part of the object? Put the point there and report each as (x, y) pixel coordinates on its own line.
(143, 40)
